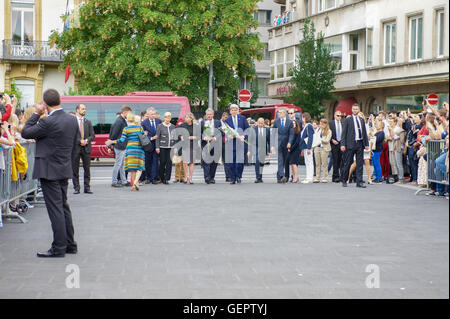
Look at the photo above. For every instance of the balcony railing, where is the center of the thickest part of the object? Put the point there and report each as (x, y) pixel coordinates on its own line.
(30, 51)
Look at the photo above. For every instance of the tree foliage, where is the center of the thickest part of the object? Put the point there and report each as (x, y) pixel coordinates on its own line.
(314, 74)
(162, 45)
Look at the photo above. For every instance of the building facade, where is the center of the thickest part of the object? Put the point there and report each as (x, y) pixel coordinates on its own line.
(26, 57)
(267, 11)
(391, 53)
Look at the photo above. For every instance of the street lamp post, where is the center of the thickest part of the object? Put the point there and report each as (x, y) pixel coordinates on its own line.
(211, 78)
(211, 87)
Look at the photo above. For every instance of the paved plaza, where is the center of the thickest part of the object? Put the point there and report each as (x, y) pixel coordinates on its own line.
(236, 241)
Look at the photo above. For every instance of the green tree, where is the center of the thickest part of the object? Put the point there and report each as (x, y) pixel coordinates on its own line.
(162, 45)
(314, 74)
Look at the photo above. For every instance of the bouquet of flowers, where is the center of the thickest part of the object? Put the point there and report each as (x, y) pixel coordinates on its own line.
(230, 131)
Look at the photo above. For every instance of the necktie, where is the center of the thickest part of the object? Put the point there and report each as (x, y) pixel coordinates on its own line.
(282, 125)
(153, 125)
(359, 129)
(81, 129)
(235, 122)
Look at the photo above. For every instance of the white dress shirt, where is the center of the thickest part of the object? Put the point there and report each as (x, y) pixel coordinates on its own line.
(338, 125)
(358, 135)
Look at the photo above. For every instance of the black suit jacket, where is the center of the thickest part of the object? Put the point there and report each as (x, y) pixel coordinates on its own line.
(56, 136)
(287, 135)
(89, 135)
(348, 133)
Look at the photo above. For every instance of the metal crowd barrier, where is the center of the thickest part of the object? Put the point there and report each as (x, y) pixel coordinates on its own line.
(12, 191)
(434, 150)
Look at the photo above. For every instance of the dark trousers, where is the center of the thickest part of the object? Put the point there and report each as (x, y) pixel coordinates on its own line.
(348, 160)
(336, 153)
(413, 164)
(259, 168)
(209, 170)
(151, 166)
(165, 164)
(225, 166)
(236, 169)
(86, 159)
(55, 196)
(283, 164)
(384, 160)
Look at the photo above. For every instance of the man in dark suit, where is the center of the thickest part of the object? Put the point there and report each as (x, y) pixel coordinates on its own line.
(354, 141)
(336, 136)
(259, 140)
(285, 128)
(291, 113)
(209, 128)
(151, 157)
(235, 127)
(56, 137)
(83, 150)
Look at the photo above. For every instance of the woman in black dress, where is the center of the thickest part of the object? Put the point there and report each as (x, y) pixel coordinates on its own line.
(294, 153)
(188, 156)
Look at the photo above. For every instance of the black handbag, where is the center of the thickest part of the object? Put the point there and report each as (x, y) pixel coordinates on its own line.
(146, 144)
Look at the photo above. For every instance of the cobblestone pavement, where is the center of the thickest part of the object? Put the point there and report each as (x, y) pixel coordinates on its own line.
(236, 241)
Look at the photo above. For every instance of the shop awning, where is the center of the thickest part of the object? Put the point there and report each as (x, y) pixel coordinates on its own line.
(345, 106)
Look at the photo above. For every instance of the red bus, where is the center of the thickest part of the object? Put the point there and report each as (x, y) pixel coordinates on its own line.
(102, 110)
(270, 111)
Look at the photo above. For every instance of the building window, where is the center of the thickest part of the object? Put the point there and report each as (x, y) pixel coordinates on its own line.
(22, 21)
(324, 5)
(26, 87)
(335, 46)
(415, 38)
(306, 8)
(262, 87)
(281, 63)
(290, 61)
(412, 102)
(369, 47)
(353, 51)
(264, 17)
(440, 33)
(390, 43)
(266, 53)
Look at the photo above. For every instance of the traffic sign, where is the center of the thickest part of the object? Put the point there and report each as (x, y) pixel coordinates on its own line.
(245, 95)
(433, 99)
(244, 105)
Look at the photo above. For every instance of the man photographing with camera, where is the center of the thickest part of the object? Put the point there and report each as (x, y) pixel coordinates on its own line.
(56, 137)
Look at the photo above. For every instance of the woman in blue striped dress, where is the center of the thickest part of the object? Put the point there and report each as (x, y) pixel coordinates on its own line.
(134, 154)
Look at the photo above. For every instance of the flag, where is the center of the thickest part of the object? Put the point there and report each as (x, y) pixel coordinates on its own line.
(68, 72)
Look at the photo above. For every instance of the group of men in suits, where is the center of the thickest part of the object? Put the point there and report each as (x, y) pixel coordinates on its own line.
(349, 139)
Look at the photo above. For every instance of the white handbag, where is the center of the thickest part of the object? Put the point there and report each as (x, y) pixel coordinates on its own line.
(317, 140)
(373, 143)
